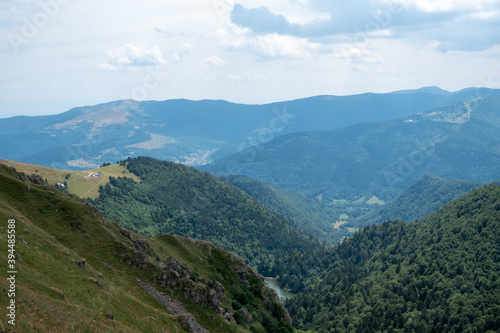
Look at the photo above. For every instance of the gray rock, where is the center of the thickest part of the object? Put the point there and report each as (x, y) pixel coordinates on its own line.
(177, 308)
(36, 179)
(247, 315)
(141, 260)
(140, 257)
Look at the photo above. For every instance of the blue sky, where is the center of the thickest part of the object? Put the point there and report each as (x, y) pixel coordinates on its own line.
(58, 54)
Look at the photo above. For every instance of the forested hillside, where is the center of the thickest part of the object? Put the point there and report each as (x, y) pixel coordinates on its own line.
(440, 274)
(423, 197)
(176, 199)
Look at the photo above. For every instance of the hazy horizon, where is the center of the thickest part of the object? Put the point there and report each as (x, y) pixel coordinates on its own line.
(58, 108)
(59, 54)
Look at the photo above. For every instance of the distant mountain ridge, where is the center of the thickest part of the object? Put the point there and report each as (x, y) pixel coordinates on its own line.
(193, 132)
(459, 141)
(429, 89)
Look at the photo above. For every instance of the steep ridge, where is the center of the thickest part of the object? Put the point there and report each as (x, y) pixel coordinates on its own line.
(439, 274)
(77, 271)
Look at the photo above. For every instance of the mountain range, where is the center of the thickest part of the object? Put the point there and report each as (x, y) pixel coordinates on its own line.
(380, 159)
(172, 198)
(195, 132)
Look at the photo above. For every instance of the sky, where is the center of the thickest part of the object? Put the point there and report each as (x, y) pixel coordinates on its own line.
(59, 54)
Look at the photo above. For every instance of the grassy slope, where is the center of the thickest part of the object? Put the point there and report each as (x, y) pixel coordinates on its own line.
(77, 182)
(55, 231)
(47, 267)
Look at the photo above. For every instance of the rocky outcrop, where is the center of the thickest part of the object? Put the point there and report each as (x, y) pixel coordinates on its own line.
(174, 271)
(200, 291)
(34, 178)
(187, 285)
(177, 308)
(192, 325)
(247, 315)
(140, 256)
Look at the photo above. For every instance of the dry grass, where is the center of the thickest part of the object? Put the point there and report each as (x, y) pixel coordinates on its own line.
(79, 182)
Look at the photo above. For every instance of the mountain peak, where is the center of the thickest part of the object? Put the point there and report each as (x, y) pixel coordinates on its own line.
(429, 89)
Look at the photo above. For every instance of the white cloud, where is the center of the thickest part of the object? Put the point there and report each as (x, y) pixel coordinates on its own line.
(107, 66)
(11, 85)
(486, 15)
(360, 54)
(445, 5)
(183, 52)
(248, 77)
(214, 61)
(367, 19)
(133, 54)
(361, 58)
(267, 46)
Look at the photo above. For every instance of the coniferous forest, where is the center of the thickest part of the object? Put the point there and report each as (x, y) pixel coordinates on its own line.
(440, 274)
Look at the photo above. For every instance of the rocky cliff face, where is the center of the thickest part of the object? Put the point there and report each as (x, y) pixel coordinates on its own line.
(140, 255)
(197, 289)
(175, 285)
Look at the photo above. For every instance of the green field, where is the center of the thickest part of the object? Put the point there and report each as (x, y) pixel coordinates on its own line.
(375, 201)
